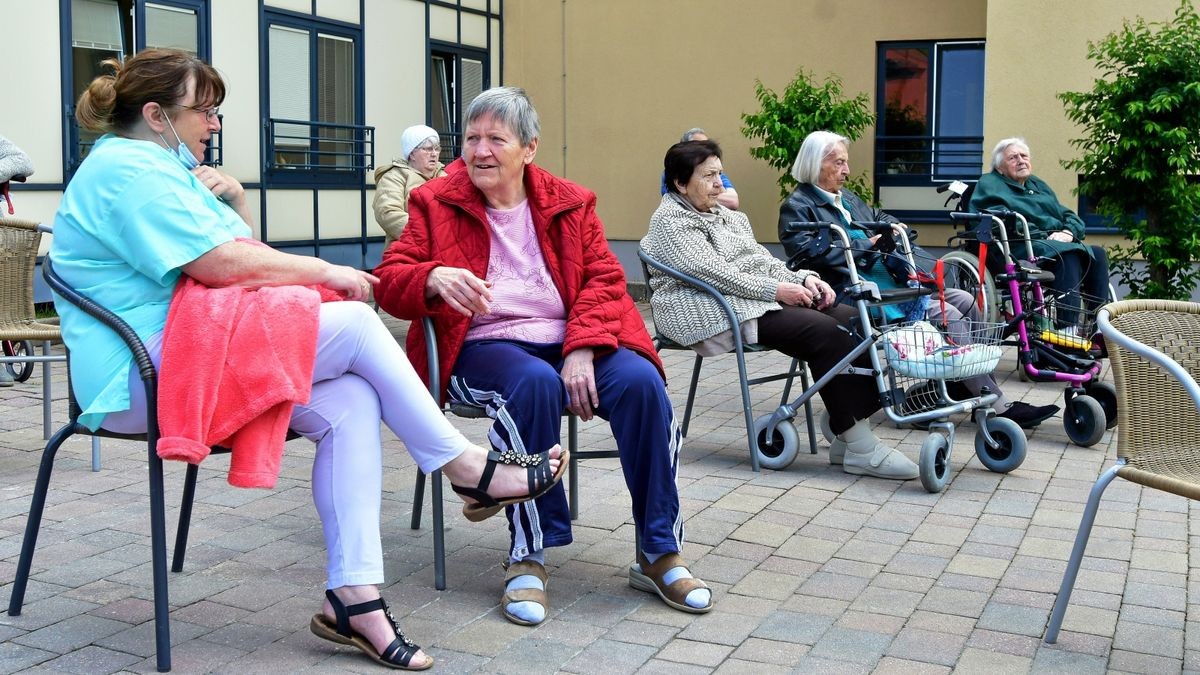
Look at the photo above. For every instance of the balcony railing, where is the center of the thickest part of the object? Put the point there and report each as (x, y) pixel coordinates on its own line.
(306, 147)
(911, 160)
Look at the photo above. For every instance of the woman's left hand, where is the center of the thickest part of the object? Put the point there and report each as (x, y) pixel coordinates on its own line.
(225, 187)
(823, 295)
(580, 377)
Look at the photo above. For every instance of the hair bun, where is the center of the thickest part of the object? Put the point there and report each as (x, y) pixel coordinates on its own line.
(94, 109)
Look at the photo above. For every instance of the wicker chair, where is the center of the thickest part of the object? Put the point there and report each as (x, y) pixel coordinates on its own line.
(1155, 350)
(19, 242)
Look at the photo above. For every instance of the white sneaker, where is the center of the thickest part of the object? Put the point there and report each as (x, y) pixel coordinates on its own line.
(881, 462)
(837, 451)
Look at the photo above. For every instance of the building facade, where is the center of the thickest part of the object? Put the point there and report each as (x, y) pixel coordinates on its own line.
(320, 90)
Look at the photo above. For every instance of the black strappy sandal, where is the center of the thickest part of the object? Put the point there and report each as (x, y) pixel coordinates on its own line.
(398, 654)
(537, 471)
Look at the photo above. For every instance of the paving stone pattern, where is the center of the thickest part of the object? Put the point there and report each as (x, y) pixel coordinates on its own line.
(813, 570)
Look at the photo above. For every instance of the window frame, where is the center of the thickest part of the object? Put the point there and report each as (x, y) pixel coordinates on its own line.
(314, 26)
(936, 49)
(452, 139)
(71, 155)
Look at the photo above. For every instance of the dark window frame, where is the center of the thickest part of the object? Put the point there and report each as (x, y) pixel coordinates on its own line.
(936, 50)
(72, 156)
(314, 25)
(452, 139)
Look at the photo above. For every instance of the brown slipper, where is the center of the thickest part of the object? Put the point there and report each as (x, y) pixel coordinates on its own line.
(398, 654)
(535, 595)
(649, 578)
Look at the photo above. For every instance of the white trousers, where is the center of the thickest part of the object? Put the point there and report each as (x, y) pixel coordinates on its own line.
(361, 376)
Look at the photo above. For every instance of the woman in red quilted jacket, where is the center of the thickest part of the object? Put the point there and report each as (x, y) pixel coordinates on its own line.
(532, 317)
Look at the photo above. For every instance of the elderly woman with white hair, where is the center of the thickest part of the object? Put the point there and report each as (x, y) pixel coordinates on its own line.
(532, 317)
(420, 149)
(789, 311)
(821, 167)
(1057, 232)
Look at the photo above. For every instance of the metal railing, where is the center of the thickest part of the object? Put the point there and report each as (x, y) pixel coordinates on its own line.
(906, 158)
(307, 146)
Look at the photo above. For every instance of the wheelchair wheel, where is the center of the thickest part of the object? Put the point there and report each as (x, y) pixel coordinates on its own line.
(1084, 420)
(1012, 445)
(23, 370)
(1106, 395)
(780, 450)
(934, 463)
(962, 272)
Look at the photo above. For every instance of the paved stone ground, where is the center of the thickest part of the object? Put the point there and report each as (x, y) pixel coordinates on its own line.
(813, 570)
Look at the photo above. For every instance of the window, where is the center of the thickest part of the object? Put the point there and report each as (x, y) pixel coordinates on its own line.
(456, 76)
(930, 112)
(104, 29)
(313, 101)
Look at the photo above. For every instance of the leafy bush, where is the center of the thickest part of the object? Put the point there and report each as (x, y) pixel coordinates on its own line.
(804, 107)
(1141, 155)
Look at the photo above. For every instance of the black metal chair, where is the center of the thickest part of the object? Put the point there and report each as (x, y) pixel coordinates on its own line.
(468, 411)
(158, 542)
(740, 350)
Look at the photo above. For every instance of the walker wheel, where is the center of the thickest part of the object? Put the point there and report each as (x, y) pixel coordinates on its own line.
(1011, 445)
(935, 463)
(1084, 420)
(1106, 395)
(781, 449)
(22, 370)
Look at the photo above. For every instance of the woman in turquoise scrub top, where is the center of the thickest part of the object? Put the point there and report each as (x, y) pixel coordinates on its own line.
(140, 212)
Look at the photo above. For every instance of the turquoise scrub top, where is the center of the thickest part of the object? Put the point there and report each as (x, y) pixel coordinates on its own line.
(130, 218)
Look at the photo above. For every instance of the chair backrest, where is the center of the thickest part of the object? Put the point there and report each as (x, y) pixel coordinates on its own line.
(1158, 418)
(19, 242)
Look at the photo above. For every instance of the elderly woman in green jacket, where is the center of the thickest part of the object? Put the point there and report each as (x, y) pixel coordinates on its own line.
(1057, 232)
(792, 312)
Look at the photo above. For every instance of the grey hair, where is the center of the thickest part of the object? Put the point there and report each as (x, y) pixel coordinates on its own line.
(510, 106)
(818, 144)
(998, 151)
(687, 135)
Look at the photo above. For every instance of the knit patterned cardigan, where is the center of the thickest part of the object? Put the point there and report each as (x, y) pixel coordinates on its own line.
(718, 248)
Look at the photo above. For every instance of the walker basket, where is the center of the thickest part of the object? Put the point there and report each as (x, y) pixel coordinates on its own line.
(922, 351)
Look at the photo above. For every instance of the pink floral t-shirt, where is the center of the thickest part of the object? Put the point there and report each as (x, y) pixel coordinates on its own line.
(525, 304)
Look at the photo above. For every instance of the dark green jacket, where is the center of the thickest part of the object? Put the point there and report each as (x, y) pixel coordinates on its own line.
(1040, 206)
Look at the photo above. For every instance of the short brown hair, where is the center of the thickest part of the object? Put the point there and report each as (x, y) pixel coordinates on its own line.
(683, 158)
(115, 101)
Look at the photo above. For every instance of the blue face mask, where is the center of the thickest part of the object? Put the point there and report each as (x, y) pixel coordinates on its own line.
(182, 152)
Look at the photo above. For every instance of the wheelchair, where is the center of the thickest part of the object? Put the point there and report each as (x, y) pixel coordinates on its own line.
(1048, 350)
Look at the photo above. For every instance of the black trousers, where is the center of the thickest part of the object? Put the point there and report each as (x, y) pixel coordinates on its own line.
(1074, 270)
(822, 338)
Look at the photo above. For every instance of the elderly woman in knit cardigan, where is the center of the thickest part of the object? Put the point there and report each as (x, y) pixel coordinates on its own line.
(792, 312)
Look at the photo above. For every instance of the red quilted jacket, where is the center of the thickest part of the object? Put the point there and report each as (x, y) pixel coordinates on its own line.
(448, 227)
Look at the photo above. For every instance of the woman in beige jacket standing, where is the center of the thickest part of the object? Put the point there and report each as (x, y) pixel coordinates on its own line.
(419, 148)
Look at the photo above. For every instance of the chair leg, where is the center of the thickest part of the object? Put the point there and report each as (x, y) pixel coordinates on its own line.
(808, 411)
(418, 501)
(95, 453)
(687, 411)
(1081, 540)
(158, 554)
(47, 399)
(185, 517)
(36, 507)
(573, 468)
(439, 533)
(747, 411)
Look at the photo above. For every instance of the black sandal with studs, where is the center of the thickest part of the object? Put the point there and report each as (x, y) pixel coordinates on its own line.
(537, 471)
(398, 654)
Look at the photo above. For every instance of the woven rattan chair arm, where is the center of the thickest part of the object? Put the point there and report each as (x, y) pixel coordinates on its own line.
(1156, 357)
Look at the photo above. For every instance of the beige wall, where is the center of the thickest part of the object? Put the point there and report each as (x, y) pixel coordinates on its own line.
(638, 73)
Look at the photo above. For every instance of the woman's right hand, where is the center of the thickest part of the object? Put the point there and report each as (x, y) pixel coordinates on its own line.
(794, 294)
(352, 283)
(461, 289)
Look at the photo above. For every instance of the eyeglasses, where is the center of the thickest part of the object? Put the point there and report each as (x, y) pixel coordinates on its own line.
(210, 114)
(435, 149)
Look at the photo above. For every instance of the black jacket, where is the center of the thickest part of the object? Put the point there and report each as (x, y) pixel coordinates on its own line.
(805, 250)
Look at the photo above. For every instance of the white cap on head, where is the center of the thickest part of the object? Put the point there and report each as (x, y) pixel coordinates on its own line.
(413, 137)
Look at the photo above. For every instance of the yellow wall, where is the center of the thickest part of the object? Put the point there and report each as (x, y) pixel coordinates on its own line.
(639, 73)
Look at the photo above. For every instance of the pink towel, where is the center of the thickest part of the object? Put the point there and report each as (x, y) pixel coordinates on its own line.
(234, 362)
